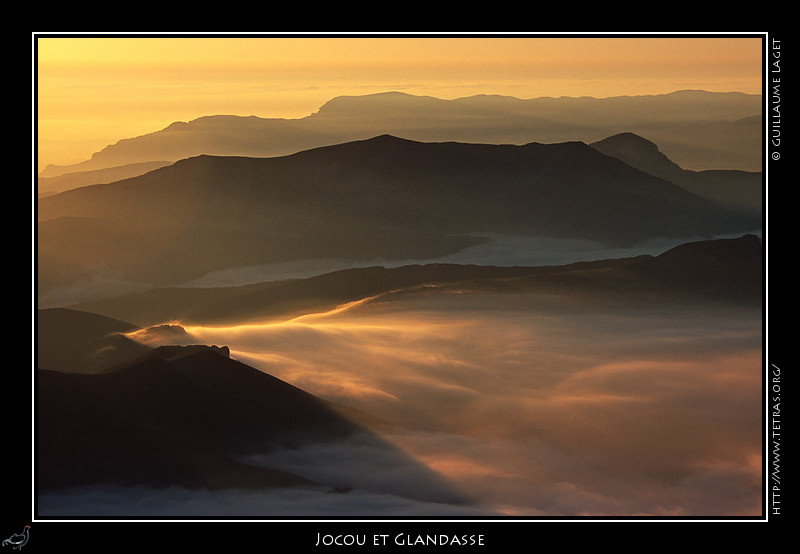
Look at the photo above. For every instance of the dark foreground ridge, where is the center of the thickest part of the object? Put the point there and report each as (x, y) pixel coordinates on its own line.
(189, 417)
(173, 418)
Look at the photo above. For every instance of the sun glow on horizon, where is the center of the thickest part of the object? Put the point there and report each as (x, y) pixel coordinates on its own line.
(94, 91)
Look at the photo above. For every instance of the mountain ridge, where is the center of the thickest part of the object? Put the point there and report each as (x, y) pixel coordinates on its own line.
(160, 410)
(384, 197)
(739, 190)
(193, 418)
(277, 136)
(721, 270)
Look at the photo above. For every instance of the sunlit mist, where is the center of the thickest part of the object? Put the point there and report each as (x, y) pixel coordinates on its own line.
(540, 413)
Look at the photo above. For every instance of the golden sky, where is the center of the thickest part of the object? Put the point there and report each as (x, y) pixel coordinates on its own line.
(92, 91)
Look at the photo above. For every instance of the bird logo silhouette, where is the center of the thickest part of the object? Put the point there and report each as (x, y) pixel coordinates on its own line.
(18, 540)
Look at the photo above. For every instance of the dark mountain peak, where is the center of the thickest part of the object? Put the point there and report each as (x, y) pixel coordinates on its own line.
(736, 190)
(173, 352)
(170, 355)
(388, 139)
(364, 151)
(628, 140)
(638, 152)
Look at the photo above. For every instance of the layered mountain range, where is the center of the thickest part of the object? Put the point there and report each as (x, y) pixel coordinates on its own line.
(723, 270)
(388, 185)
(700, 130)
(381, 198)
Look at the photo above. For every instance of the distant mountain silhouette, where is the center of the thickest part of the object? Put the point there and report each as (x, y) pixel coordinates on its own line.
(380, 198)
(52, 185)
(701, 130)
(723, 270)
(741, 190)
(640, 153)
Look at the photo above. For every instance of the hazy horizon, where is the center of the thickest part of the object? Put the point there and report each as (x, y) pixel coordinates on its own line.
(95, 91)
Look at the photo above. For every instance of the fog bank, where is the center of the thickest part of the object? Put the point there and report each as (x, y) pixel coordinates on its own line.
(540, 413)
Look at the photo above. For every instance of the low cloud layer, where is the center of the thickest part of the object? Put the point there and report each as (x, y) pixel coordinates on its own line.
(533, 412)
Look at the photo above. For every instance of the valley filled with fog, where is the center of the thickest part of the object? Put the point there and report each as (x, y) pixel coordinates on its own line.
(525, 404)
(379, 326)
(534, 412)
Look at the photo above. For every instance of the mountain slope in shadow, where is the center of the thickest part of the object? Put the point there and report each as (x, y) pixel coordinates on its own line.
(381, 198)
(727, 271)
(135, 426)
(76, 341)
(741, 190)
(189, 417)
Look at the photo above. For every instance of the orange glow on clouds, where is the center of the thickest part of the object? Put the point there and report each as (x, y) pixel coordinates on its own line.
(537, 412)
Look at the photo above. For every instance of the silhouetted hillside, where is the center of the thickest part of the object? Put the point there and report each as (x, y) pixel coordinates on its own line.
(187, 417)
(76, 341)
(702, 130)
(52, 185)
(700, 272)
(380, 198)
(724, 270)
(741, 190)
(172, 418)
